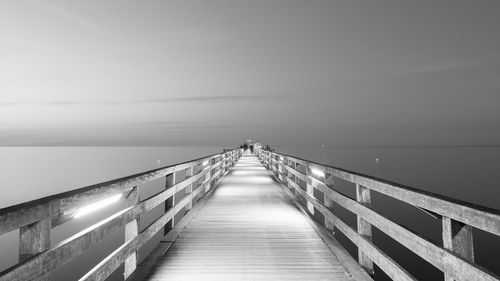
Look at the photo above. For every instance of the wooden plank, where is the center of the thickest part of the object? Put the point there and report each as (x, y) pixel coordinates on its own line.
(249, 232)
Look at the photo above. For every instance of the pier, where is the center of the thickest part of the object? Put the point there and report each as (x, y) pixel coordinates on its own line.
(243, 216)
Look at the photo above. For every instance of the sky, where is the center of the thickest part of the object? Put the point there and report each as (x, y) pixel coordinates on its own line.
(284, 72)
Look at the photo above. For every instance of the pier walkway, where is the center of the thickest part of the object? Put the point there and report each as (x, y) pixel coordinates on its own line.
(250, 229)
(237, 216)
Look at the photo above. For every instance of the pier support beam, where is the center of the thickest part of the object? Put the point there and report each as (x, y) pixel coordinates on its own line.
(363, 196)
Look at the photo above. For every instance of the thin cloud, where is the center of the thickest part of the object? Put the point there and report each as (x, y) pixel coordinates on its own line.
(72, 17)
(443, 66)
(212, 99)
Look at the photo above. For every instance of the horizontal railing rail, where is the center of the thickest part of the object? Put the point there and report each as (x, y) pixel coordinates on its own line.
(455, 258)
(35, 219)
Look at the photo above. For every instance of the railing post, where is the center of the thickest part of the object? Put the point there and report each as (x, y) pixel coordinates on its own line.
(208, 175)
(271, 162)
(329, 203)
(226, 160)
(131, 231)
(189, 188)
(220, 166)
(296, 180)
(277, 161)
(271, 165)
(35, 239)
(223, 164)
(457, 237)
(309, 189)
(170, 181)
(283, 170)
(279, 168)
(287, 173)
(364, 228)
(212, 170)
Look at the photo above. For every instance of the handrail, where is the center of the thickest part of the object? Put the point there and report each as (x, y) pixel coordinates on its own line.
(35, 219)
(455, 258)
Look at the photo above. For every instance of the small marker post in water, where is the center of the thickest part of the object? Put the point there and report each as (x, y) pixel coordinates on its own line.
(376, 161)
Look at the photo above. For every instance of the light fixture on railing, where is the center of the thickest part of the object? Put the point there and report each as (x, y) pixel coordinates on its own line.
(317, 172)
(96, 206)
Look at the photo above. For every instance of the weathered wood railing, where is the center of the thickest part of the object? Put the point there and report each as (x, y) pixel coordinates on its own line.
(455, 258)
(35, 219)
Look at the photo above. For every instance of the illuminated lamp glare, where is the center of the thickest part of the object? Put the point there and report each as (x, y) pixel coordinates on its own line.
(96, 206)
(317, 172)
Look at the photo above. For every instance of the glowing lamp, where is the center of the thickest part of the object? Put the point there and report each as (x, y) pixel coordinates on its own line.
(317, 172)
(96, 206)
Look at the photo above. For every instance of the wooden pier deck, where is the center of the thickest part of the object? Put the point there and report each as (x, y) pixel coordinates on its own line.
(250, 230)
